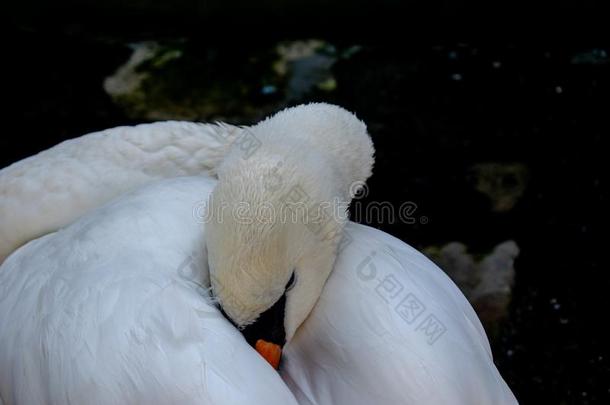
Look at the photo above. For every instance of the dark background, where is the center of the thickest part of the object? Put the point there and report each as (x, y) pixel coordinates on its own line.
(443, 87)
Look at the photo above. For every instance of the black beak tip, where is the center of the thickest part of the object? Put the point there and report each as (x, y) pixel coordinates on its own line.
(269, 326)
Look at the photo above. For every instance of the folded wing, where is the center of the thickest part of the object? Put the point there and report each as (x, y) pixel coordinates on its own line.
(391, 328)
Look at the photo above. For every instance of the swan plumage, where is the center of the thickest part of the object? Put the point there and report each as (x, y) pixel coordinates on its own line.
(116, 305)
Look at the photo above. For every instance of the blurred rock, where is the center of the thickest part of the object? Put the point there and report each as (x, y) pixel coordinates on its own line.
(126, 85)
(504, 184)
(179, 81)
(591, 57)
(486, 281)
(306, 65)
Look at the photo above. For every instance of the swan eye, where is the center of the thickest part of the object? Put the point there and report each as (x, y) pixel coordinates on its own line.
(291, 282)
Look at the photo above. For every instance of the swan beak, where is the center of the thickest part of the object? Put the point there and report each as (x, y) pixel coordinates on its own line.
(270, 351)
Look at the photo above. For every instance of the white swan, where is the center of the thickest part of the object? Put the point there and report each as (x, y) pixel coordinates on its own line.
(103, 306)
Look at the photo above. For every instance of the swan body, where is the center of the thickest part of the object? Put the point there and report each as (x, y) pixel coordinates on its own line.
(111, 309)
(136, 300)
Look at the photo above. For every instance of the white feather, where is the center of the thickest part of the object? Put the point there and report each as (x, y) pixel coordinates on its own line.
(50, 190)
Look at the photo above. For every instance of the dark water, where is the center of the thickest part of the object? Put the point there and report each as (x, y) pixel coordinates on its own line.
(435, 111)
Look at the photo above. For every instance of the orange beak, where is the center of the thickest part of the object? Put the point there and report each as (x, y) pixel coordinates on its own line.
(270, 352)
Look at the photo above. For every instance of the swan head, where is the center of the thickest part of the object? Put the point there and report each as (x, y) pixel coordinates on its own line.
(276, 217)
(267, 268)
